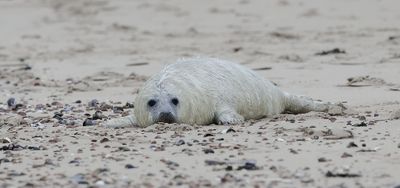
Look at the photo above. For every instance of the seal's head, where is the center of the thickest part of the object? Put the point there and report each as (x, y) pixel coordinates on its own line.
(156, 106)
(163, 108)
(173, 97)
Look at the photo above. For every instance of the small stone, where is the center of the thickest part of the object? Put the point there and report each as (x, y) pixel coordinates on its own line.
(362, 118)
(322, 159)
(362, 124)
(58, 115)
(330, 174)
(345, 155)
(129, 105)
(249, 165)
(364, 145)
(117, 109)
(208, 134)
(129, 166)
(5, 140)
(123, 148)
(93, 103)
(75, 161)
(104, 140)
(34, 147)
(228, 131)
(213, 162)
(97, 115)
(79, 179)
(208, 150)
(11, 102)
(293, 151)
(89, 122)
(179, 142)
(40, 107)
(352, 145)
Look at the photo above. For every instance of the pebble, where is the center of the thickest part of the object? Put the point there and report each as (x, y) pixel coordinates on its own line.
(5, 140)
(129, 105)
(249, 165)
(93, 103)
(98, 115)
(89, 122)
(330, 174)
(58, 115)
(322, 159)
(79, 179)
(123, 148)
(362, 124)
(228, 131)
(352, 145)
(129, 166)
(104, 140)
(345, 155)
(11, 102)
(208, 150)
(179, 142)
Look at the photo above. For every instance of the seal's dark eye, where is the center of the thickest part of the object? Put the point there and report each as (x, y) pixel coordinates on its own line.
(151, 102)
(175, 101)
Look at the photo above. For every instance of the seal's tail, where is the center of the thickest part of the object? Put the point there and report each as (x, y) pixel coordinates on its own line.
(301, 104)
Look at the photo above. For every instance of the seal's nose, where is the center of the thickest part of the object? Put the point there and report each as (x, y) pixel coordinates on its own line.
(166, 117)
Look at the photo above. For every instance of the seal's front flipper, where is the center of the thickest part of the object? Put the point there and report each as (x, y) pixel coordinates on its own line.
(228, 116)
(301, 104)
(127, 121)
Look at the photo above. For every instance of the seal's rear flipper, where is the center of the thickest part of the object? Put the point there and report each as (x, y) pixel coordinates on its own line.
(301, 104)
(127, 121)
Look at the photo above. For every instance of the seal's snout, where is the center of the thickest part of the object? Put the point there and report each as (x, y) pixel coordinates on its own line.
(166, 117)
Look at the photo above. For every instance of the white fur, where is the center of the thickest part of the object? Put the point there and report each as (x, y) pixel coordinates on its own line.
(216, 91)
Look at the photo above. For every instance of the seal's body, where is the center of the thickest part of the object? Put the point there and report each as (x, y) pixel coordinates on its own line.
(208, 90)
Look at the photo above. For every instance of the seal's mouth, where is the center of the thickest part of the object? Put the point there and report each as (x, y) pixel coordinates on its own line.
(166, 117)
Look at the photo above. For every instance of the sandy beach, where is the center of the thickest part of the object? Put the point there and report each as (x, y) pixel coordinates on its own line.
(62, 62)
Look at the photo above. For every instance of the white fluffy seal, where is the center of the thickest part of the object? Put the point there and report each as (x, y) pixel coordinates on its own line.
(207, 90)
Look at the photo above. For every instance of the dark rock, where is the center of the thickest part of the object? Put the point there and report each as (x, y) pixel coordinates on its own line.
(352, 145)
(333, 51)
(11, 102)
(129, 105)
(249, 165)
(98, 115)
(89, 122)
(58, 115)
(362, 124)
(79, 179)
(129, 166)
(322, 159)
(345, 155)
(179, 142)
(93, 103)
(330, 174)
(214, 162)
(104, 140)
(207, 151)
(123, 148)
